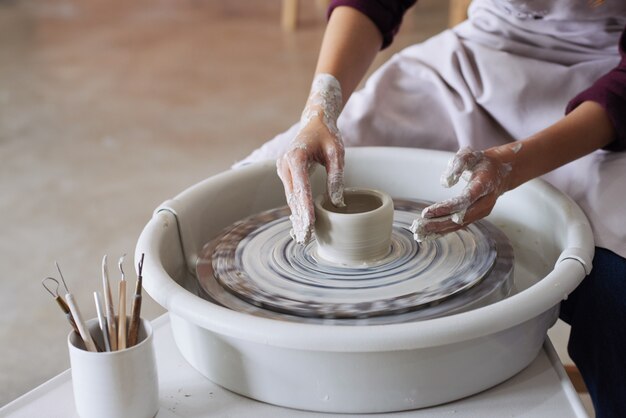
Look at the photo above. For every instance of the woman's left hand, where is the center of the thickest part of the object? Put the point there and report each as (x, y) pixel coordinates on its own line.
(488, 175)
(496, 170)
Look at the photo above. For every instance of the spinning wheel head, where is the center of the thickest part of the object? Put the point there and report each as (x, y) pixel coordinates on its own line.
(254, 266)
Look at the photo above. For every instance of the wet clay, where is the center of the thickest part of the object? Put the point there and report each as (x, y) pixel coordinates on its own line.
(360, 232)
(355, 203)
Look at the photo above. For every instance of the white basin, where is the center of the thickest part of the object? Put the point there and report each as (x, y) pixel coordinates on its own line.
(364, 369)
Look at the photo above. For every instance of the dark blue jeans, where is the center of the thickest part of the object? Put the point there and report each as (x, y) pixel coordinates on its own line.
(596, 311)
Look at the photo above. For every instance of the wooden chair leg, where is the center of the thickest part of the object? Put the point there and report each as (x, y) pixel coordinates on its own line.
(322, 5)
(289, 18)
(458, 11)
(576, 378)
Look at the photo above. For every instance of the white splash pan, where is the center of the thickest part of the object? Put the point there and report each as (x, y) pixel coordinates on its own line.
(364, 369)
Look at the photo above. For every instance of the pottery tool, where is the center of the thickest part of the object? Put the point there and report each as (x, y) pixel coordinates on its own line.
(78, 318)
(121, 314)
(108, 305)
(102, 321)
(59, 300)
(133, 331)
(82, 328)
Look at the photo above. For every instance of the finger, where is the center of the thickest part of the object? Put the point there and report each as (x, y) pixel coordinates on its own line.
(448, 206)
(282, 169)
(302, 213)
(463, 160)
(459, 217)
(479, 185)
(429, 229)
(425, 229)
(285, 175)
(334, 175)
(481, 208)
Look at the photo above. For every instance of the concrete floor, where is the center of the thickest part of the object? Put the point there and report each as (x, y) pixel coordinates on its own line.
(109, 108)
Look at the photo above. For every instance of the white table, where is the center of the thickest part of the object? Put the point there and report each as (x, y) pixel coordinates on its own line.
(541, 390)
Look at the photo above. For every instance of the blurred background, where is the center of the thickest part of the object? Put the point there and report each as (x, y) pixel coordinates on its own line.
(107, 109)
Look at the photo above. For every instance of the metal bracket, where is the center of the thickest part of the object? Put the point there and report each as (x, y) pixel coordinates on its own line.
(168, 206)
(578, 254)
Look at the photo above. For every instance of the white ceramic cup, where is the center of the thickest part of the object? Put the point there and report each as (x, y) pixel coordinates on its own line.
(360, 232)
(117, 384)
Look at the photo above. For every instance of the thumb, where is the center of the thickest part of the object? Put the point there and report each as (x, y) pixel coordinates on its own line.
(464, 159)
(334, 177)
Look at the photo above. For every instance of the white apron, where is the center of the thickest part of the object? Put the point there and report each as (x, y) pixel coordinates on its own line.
(504, 74)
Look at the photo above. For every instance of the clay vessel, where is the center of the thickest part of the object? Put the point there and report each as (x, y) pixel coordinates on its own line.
(358, 233)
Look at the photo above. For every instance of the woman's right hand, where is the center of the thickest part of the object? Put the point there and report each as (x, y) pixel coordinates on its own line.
(351, 41)
(317, 141)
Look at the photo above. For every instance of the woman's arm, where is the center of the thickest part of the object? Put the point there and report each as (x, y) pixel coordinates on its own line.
(595, 119)
(356, 31)
(350, 44)
(610, 92)
(584, 130)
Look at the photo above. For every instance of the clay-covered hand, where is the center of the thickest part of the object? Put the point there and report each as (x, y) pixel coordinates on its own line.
(317, 141)
(487, 174)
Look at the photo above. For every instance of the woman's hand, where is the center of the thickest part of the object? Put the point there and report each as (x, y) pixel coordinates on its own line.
(351, 41)
(317, 141)
(487, 173)
(496, 170)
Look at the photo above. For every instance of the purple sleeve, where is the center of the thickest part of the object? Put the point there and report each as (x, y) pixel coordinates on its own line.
(386, 14)
(610, 92)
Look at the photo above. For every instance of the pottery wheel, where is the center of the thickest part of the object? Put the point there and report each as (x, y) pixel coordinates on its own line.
(256, 261)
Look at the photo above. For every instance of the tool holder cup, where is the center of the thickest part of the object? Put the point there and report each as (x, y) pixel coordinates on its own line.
(114, 384)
